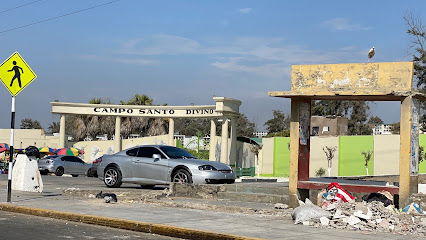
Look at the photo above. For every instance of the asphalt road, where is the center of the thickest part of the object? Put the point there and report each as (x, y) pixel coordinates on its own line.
(20, 226)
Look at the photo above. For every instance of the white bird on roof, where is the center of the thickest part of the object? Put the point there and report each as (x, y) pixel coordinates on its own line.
(371, 53)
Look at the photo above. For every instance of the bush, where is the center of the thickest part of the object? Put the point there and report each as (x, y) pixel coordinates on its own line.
(320, 172)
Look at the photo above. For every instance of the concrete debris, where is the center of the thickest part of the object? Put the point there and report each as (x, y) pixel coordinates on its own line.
(280, 206)
(324, 221)
(373, 216)
(353, 220)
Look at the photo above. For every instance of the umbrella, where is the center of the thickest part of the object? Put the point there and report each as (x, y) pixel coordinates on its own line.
(69, 151)
(4, 147)
(47, 150)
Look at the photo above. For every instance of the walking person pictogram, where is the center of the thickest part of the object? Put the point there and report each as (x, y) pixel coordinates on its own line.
(17, 73)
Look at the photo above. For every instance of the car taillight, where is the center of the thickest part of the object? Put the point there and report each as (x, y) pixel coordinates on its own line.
(97, 160)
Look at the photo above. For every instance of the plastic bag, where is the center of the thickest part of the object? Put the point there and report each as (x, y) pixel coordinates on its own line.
(308, 212)
(32, 151)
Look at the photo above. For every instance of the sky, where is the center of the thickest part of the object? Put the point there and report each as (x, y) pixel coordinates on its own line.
(186, 52)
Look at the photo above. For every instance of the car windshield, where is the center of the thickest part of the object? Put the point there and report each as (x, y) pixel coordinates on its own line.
(176, 153)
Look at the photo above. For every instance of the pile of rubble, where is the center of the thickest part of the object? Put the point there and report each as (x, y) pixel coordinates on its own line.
(364, 216)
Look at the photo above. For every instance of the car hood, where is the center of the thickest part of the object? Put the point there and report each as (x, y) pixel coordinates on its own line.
(199, 162)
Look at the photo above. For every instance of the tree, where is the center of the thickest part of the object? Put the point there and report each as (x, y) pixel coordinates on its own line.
(330, 108)
(54, 127)
(283, 133)
(141, 125)
(395, 128)
(244, 126)
(367, 157)
(355, 111)
(138, 100)
(416, 31)
(191, 126)
(28, 123)
(255, 149)
(357, 119)
(375, 120)
(279, 122)
(329, 153)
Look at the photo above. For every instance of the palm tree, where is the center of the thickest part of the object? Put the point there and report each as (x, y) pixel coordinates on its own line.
(138, 100)
(142, 125)
(108, 126)
(86, 126)
(54, 127)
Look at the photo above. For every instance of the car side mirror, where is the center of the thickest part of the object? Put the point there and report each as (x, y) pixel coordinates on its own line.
(156, 156)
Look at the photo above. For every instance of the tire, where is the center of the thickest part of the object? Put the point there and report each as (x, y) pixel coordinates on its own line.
(59, 171)
(112, 177)
(230, 181)
(182, 176)
(74, 175)
(147, 186)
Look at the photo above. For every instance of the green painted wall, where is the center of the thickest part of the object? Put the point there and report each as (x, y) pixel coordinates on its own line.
(351, 161)
(281, 157)
(422, 142)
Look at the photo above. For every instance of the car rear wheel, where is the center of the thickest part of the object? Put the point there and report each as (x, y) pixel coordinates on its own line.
(59, 171)
(112, 177)
(182, 176)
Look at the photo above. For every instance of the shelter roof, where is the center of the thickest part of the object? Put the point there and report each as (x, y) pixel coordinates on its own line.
(384, 95)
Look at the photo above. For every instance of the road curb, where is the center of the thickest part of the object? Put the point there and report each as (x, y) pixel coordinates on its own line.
(153, 228)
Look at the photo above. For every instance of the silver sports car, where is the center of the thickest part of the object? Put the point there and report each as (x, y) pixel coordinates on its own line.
(149, 165)
(60, 164)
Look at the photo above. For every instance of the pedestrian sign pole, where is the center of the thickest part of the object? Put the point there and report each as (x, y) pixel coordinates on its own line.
(12, 132)
(15, 74)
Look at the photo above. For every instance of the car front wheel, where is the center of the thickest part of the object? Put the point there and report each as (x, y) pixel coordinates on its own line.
(112, 177)
(182, 176)
(59, 171)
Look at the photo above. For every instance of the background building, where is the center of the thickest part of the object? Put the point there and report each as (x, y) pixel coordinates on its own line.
(329, 126)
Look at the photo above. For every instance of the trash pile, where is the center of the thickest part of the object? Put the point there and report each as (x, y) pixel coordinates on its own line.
(376, 212)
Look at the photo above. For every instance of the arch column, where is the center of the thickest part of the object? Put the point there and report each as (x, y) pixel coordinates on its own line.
(117, 138)
(212, 152)
(224, 157)
(409, 156)
(171, 132)
(62, 132)
(233, 153)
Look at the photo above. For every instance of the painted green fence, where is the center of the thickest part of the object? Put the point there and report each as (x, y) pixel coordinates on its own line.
(422, 142)
(351, 160)
(281, 157)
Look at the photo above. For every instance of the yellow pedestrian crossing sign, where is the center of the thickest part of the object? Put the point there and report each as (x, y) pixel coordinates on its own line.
(15, 74)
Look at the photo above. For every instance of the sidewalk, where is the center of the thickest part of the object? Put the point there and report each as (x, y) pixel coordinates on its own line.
(174, 218)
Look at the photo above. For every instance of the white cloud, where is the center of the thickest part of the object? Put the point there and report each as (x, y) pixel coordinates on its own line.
(134, 61)
(273, 70)
(343, 24)
(245, 10)
(270, 57)
(160, 45)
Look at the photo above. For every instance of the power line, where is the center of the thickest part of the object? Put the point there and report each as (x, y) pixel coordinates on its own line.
(10, 9)
(60, 16)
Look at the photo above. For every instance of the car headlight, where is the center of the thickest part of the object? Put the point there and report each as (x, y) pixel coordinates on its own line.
(207, 168)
